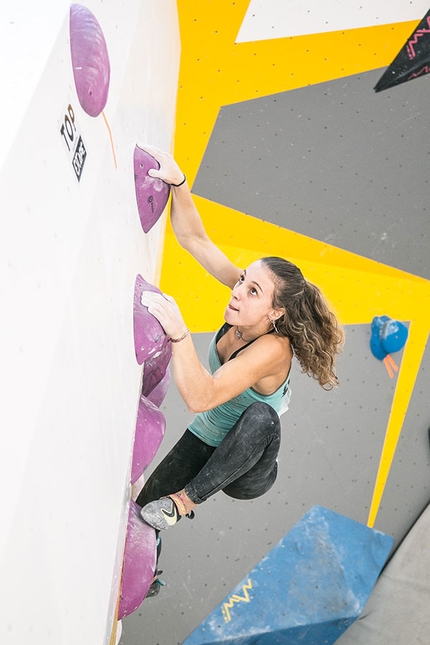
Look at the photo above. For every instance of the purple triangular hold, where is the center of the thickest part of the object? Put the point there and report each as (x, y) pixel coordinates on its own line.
(152, 193)
(140, 556)
(150, 339)
(150, 427)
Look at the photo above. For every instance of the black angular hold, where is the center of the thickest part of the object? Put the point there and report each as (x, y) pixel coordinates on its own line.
(412, 61)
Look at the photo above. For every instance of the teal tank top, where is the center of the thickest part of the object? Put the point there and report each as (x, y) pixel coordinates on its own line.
(211, 426)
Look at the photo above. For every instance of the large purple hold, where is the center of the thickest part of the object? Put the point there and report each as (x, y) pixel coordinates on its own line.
(150, 427)
(151, 193)
(139, 562)
(90, 60)
(150, 339)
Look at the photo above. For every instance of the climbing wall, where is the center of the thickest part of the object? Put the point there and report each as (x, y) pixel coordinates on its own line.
(81, 87)
(290, 151)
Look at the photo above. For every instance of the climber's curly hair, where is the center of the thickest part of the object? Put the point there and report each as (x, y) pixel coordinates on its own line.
(314, 332)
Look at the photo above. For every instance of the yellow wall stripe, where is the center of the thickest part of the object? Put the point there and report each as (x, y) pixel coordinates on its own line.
(413, 353)
(358, 287)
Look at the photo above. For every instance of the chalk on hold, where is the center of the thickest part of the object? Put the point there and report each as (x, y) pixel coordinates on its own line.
(387, 336)
(150, 339)
(118, 632)
(152, 193)
(140, 557)
(149, 433)
(308, 589)
(90, 60)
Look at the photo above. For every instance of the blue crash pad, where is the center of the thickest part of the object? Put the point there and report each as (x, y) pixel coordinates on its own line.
(308, 589)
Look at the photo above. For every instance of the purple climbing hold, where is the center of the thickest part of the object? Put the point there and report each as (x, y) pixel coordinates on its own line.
(150, 339)
(149, 433)
(90, 60)
(140, 558)
(154, 370)
(152, 193)
(156, 396)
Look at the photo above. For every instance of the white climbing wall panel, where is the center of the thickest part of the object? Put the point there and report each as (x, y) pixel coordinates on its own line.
(266, 19)
(70, 251)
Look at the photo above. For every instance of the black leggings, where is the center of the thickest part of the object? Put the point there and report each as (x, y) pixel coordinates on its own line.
(243, 465)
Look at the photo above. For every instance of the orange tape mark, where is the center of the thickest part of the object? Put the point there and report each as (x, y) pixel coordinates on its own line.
(390, 360)
(111, 139)
(390, 365)
(389, 370)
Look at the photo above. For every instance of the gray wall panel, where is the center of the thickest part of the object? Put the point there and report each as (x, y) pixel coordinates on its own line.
(333, 161)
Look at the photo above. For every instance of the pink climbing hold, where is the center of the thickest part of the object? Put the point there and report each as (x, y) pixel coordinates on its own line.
(150, 339)
(149, 433)
(152, 193)
(140, 557)
(90, 60)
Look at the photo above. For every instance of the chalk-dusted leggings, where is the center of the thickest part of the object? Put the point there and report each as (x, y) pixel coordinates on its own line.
(243, 466)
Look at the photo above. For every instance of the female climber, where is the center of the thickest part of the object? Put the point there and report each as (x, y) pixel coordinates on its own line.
(272, 315)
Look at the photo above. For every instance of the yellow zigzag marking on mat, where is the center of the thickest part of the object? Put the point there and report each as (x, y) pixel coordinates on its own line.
(236, 598)
(215, 71)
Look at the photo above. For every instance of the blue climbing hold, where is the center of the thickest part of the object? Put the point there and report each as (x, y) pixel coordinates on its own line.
(387, 336)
